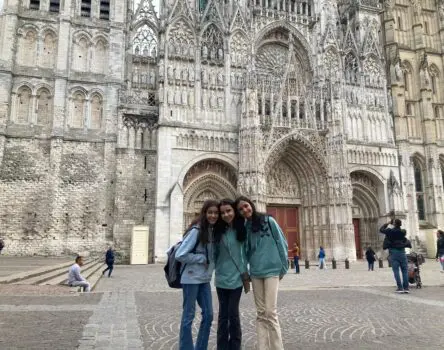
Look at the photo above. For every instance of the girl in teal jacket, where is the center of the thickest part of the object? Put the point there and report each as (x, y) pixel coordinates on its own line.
(231, 274)
(267, 255)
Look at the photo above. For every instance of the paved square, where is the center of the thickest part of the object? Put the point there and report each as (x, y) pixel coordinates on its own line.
(333, 309)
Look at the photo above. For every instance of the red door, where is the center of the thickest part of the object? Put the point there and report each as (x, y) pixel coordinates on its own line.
(357, 239)
(288, 220)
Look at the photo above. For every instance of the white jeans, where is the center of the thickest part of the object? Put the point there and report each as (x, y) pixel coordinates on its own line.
(265, 292)
(86, 286)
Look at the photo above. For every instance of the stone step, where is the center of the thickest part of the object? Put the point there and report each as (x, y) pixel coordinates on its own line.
(87, 271)
(93, 278)
(62, 271)
(34, 273)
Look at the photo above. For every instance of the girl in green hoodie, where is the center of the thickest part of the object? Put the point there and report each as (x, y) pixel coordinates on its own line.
(267, 255)
(231, 276)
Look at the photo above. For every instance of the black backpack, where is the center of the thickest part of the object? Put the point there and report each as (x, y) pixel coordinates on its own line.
(173, 268)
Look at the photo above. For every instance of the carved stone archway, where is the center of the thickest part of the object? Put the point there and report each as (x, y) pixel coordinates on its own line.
(207, 179)
(367, 190)
(295, 178)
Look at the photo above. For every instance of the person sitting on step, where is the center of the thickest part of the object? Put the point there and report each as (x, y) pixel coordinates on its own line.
(75, 279)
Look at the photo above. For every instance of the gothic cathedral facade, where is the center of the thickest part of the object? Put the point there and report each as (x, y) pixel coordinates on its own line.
(327, 113)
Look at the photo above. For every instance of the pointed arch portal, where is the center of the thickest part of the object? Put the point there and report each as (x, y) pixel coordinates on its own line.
(365, 211)
(207, 179)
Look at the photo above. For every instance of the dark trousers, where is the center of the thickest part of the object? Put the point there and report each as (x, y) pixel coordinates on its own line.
(371, 264)
(229, 333)
(110, 268)
(296, 263)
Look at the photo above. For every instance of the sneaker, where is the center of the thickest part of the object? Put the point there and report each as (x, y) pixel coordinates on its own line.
(406, 291)
(400, 291)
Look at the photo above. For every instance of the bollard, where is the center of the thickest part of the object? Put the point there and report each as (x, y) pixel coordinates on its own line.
(347, 263)
(381, 263)
(307, 264)
(389, 261)
(333, 264)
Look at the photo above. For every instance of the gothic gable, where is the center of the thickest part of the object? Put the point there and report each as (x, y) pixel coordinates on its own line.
(212, 14)
(181, 8)
(238, 21)
(145, 13)
(349, 43)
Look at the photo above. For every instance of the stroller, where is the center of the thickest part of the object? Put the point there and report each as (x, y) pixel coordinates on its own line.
(413, 262)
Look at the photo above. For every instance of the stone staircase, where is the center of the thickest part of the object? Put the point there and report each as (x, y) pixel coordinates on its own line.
(58, 274)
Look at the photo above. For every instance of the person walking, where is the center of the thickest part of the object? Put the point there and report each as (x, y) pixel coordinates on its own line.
(75, 279)
(440, 249)
(396, 242)
(196, 256)
(267, 255)
(321, 257)
(231, 276)
(296, 257)
(370, 256)
(109, 260)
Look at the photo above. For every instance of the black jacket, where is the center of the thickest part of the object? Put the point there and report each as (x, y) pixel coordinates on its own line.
(395, 238)
(370, 255)
(440, 247)
(109, 259)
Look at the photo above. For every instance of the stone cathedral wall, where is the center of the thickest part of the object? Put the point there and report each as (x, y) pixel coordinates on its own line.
(54, 197)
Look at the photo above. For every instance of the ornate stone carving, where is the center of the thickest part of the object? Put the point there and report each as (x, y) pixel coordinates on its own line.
(210, 166)
(281, 181)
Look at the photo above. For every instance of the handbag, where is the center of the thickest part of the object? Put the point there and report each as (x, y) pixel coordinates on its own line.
(441, 258)
(245, 277)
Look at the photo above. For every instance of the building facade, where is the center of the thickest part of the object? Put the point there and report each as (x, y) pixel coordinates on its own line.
(116, 114)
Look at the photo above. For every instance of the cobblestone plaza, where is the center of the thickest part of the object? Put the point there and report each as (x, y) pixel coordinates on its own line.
(318, 309)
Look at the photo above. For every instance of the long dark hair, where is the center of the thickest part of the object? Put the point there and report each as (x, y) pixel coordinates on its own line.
(257, 218)
(238, 223)
(202, 221)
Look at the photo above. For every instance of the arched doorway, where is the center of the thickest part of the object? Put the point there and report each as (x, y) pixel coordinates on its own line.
(207, 179)
(367, 190)
(297, 195)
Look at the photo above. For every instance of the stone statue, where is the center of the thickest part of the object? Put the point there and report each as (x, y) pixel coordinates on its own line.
(170, 72)
(424, 73)
(441, 10)
(252, 101)
(161, 69)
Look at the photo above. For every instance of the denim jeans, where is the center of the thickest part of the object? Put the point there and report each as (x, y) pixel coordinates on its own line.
(371, 265)
(399, 261)
(202, 294)
(296, 263)
(229, 333)
(109, 268)
(84, 284)
(322, 264)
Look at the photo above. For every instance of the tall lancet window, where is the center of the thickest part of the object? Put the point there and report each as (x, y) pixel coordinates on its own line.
(145, 42)
(419, 189)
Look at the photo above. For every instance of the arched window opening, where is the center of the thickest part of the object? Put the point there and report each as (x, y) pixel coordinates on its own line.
(145, 42)
(212, 44)
(78, 110)
(43, 107)
(85, 8)
(96, 112)
(437, 112)
(34, 5)
(24, 96)
(419, 189)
